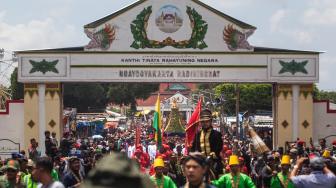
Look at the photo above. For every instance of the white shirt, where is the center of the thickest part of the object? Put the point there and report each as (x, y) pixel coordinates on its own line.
(55, 184)
(152, 151)
(130, 151)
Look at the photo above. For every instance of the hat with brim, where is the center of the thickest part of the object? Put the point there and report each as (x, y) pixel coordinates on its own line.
(30, 163)
(205, 115)
(293, 151)
(73, 159)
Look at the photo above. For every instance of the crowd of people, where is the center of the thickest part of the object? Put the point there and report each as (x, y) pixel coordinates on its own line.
(119, 159)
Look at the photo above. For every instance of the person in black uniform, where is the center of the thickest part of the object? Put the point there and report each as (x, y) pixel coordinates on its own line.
(209, 142)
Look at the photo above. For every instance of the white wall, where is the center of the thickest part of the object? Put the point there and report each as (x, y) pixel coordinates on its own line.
(11, 124)
(324, 122)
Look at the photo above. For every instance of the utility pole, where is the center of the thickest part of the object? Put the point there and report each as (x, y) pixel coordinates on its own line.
(237, 132)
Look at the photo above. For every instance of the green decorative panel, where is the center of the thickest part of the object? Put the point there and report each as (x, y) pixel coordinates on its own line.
(293, 67)
(43, 66)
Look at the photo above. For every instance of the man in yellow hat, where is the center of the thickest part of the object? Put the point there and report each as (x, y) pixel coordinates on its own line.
(326, 154)
(209, 141)
(281, 180)
(160, 180)
(234, 179)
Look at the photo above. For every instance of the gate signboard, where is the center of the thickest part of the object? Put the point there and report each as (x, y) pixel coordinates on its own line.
(7, 147)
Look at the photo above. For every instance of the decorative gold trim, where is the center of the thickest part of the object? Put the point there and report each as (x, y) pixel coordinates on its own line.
(30, 89)
(285, 90)
(306, 90)
(52, 89)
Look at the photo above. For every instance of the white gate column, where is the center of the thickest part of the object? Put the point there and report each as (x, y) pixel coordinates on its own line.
(42, 117)
(295, 111)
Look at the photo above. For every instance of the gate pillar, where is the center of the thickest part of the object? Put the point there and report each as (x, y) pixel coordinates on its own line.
(42, 111)
(294, 113)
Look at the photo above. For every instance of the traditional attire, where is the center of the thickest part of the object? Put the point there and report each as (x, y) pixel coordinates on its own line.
(208, 141)
(163, 182)
(239, 181)
(281, 181)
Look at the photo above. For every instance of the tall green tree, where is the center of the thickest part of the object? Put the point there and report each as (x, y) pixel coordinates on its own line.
(87, 97)
(127, 93)
(253, 97)
(326, 95)
(16, 87)
(84, 96)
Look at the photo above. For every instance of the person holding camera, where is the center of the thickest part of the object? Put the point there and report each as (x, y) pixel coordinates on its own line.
(320, 176)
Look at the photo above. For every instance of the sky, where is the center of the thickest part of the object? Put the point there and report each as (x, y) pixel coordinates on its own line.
(299, 25)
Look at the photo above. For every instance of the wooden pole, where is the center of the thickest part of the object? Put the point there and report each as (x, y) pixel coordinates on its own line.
(237, 110)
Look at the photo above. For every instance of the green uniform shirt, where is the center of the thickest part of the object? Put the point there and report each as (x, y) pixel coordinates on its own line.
(28, 182)
(276, 182)
(225, 181)
(4, 183)
(54, 175)
(167, 182)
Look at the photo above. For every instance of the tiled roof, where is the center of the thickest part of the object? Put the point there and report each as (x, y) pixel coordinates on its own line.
(165, 93)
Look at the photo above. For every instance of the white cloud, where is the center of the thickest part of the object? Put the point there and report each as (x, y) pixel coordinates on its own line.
(35, 34)
(276, 19)
(320, 12)
(303, 37)
(315, 16)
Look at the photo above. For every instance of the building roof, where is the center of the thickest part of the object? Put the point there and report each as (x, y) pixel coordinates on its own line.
(258, 50)
(178, 86)
(166, 92)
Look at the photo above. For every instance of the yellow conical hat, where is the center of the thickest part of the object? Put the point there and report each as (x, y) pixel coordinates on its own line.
(285, 159)
(158, 163)
(326, 154)
(233, 160)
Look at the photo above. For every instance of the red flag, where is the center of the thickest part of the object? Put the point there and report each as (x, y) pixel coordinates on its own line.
(192, 124)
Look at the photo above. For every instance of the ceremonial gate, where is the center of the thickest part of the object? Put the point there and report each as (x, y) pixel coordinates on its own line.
(170, 41)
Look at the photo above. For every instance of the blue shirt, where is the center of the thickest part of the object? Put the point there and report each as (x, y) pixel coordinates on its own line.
(316, 179)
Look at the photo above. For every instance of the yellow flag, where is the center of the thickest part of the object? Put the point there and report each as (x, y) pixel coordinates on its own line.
(158, 110)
